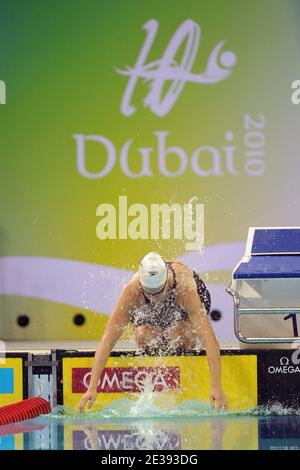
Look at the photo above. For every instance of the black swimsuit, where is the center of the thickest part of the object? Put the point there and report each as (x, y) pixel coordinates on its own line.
(166, 311)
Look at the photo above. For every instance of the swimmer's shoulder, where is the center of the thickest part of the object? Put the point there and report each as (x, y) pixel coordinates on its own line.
(184, 277)
(180, 267)
(131, 290)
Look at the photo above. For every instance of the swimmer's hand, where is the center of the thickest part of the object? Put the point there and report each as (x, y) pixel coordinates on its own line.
(90, 398)
(218, 398)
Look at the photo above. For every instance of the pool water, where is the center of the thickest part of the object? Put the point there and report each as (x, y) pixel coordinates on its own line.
(191, 426)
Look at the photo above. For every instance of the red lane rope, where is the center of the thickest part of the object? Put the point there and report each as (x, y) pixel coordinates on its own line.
(15, 428)
(26, 409)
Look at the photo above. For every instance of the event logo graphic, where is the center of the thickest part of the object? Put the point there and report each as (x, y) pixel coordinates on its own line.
(167, 69)
(296, 94)
(204, 161)
(2, 92)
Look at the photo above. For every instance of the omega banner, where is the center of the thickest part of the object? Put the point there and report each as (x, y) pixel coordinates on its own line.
(169, 380)
(268, 378)
(137, 126)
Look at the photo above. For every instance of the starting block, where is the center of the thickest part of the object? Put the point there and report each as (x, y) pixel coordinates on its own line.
(265, 287)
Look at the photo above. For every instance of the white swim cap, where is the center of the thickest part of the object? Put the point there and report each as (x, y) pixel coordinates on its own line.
(153, 271)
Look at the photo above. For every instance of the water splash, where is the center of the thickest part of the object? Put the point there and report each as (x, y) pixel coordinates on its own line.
(146, 408)
(150, 404)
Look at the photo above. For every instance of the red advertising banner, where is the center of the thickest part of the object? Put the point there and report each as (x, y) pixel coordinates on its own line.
(128, 379)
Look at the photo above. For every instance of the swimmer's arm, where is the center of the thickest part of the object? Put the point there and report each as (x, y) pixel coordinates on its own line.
(117, 323)
(190, 301)
(203, 330)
